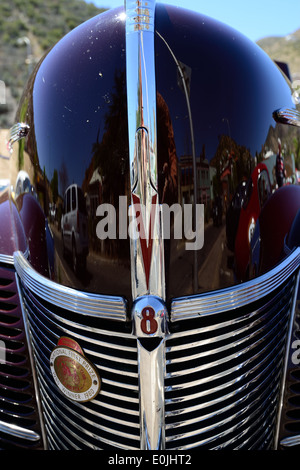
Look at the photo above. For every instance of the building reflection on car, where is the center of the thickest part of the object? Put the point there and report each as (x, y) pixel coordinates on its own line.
(74, 226)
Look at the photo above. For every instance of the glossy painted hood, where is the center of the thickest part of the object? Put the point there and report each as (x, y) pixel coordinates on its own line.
(216, 93)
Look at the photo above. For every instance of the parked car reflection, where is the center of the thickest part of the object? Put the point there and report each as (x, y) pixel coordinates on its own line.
(74, 226)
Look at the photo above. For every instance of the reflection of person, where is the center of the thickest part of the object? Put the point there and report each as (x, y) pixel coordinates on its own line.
(280, 170)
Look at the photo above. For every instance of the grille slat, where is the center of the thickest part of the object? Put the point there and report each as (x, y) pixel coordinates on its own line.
(211, 366)
(191, 415)
(223, 372)
(111, 420)
(73, 415)
(98, 410)
(19, 418)
(217, 395)
(55, 325)
(231, 423)
(39, 332)
(252, 325)
(82, 428)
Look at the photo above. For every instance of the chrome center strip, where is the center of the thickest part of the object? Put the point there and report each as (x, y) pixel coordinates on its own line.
(146, 242)
(147, 261)
(150, 328)
(106, 307)
(184, 308)
(151, 396)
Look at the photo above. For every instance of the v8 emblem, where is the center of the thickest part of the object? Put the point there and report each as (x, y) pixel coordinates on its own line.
(149, 314)
(149, 323)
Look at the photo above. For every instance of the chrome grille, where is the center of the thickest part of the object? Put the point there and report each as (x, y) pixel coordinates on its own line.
(223, 375)
(19, 418)
(289, 430)
(112, 419)
(223, 367)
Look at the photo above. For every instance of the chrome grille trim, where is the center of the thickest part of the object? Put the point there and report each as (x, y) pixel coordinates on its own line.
(211, 351)
(75, 410)
(225, 385)
(9, 259)
(37, 334)
(284, 381)
(290, 441)
(70, 404)
(6, 259)
(19, 432)
(224, 370)
(200, 396)
(109, 421)
(60, 415)
(204, 380)
(79, 337)
(65, 297)
(227, 420)
(20, 424)
(183, 308)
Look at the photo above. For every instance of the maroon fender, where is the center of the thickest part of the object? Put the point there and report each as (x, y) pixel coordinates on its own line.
(258, 193)
(293, 238)
(12, 235)
(275, 221)
(33, 220)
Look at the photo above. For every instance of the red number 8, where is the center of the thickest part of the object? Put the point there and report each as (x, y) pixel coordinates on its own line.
(148, 324)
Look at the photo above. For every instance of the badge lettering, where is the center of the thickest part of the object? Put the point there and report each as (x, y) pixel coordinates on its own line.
(148, 323)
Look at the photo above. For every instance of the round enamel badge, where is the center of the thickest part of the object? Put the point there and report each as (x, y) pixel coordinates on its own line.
(75, 376)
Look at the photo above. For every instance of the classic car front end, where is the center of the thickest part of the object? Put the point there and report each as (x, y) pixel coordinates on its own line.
(155, 341)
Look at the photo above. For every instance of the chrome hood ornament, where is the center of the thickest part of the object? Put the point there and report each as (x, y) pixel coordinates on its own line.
(147, 259)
